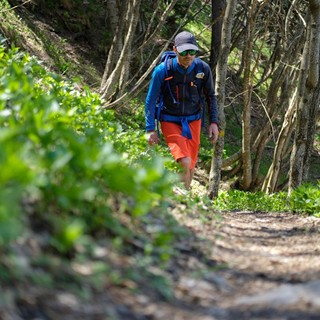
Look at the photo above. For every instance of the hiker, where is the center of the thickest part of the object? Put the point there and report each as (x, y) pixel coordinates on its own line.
(179, 83)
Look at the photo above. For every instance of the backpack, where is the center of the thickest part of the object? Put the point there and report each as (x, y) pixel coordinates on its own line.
(167, 57)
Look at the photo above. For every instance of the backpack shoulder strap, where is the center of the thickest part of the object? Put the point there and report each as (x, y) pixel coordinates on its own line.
(198, 78)
(166, 58)
(168, 64)
(169, 73)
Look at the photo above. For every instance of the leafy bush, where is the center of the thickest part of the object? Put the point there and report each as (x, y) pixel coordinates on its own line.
(259, 201)
(306, 199)
(65, 157)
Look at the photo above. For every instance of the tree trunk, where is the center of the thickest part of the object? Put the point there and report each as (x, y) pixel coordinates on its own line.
(117, 77)
(281, 88)
(271, 179)
(311, 129)
(308, 81)
(114, 88)
(215, 171)
(218, 10)
(247, 93)
(313, 82)
(275, 71)
(116, 17)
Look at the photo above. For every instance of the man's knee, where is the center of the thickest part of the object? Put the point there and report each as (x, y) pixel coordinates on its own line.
(185, 162)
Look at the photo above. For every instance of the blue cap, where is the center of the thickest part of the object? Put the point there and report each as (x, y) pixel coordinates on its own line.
(185, 41)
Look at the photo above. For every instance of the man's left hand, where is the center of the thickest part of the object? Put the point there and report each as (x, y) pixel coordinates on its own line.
(213, 132)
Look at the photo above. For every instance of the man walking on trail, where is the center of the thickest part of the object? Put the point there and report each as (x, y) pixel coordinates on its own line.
(180, 83)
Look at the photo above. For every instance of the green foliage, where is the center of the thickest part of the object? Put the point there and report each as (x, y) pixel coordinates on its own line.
(68, 157)
(10, 224)
(68, 232)
(306, 199)
(259, 201)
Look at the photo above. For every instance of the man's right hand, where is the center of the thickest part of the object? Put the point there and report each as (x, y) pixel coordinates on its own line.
(152, 138)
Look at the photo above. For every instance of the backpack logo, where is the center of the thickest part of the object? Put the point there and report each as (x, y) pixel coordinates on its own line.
(200, 75)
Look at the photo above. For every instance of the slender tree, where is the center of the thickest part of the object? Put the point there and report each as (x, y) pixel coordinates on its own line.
(247, 93)
(217, 11)
(113, 83)
(216, 163)
(116, 87)
(309, 77)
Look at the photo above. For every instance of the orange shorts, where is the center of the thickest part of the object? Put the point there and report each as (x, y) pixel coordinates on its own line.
(179, 145)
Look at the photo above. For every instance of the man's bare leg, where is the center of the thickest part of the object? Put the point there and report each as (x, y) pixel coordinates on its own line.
(187, 172)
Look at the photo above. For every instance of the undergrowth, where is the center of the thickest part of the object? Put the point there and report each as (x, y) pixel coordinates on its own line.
(305, 199)
(68, 159)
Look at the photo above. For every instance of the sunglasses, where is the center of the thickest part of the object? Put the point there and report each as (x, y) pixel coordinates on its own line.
(191, 52)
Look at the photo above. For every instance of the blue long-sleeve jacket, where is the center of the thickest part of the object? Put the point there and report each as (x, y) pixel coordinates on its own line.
(185, 90)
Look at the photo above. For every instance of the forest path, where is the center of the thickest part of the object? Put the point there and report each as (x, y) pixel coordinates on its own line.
(228, 266)
(263, 266)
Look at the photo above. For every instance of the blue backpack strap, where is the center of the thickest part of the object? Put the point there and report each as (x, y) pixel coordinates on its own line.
(199, 74)
(167, 59)
(169, 76)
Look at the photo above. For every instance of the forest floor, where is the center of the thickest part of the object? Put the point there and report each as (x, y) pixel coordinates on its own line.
(242, 266)
(230, 266)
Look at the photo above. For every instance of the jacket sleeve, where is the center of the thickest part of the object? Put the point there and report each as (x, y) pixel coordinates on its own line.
(153, 96)
(209, 93)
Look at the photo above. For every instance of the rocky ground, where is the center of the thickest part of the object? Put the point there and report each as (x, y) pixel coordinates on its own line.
(257, 266)
(231, 266)
(272, 268)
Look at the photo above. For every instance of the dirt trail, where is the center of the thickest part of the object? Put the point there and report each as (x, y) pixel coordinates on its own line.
(247, 266)
(235, 266)
(272, 268)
